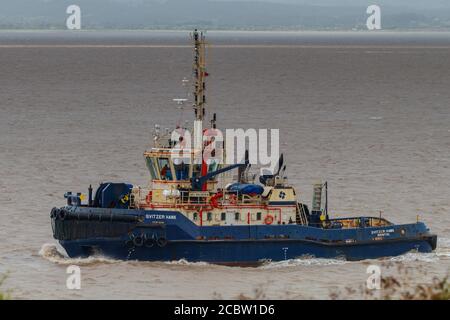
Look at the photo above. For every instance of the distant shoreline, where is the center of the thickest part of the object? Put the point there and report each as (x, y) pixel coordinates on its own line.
(145, 38)
(274, 31)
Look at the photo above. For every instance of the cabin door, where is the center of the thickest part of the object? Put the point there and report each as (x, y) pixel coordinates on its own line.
(230, 218)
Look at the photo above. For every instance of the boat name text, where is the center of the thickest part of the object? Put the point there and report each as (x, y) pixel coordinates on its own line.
(160, 216)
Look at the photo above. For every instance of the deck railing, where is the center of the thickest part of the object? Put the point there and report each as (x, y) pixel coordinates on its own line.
(142, 197)
(358, 222)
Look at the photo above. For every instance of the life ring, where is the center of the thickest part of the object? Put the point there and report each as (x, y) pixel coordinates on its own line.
(161, 242)
(214, 200)
(268, 219)
(148, 198)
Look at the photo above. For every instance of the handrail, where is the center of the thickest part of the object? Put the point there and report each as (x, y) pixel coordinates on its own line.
(371, 219)
(302, 214)
(141, 198)
(355, 222)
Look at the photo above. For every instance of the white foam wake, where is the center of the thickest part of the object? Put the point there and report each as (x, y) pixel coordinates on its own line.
(443, 247)
(54, 254)
(442, 251)
(416, 257)
(304, 261)
(443, 242)
(184, 262)
(51, 252)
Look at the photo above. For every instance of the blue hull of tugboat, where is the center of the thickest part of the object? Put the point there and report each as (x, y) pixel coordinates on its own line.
(241, 252)
(132, 235)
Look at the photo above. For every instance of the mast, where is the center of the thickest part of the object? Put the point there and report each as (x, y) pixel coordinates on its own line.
(199, 69)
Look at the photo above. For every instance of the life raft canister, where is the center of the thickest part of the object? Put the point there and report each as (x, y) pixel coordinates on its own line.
(268, 219)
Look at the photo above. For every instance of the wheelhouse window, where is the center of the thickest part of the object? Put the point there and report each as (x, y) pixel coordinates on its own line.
(197, 170)
(214, 150)
(151, 168)
(181, 166)
(214, 166)
(164, 169)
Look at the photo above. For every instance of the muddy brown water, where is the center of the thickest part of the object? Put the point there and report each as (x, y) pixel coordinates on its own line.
(370, 114)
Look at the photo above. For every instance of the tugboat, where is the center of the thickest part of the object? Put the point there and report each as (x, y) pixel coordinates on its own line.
(189, 212)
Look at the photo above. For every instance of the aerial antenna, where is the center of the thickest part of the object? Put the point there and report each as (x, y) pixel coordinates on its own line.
(179, 101)
(280, 164)
(156, 135)
(213, 121)
(282, 171)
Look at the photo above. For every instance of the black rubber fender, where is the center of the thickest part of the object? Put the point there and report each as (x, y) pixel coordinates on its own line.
(161, 242)
(433, 241)
(129, 243)
(149, 241)
(54, 213)
(138, 241)
(62, 214)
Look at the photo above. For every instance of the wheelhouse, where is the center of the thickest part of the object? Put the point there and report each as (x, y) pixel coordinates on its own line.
(172, 165)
